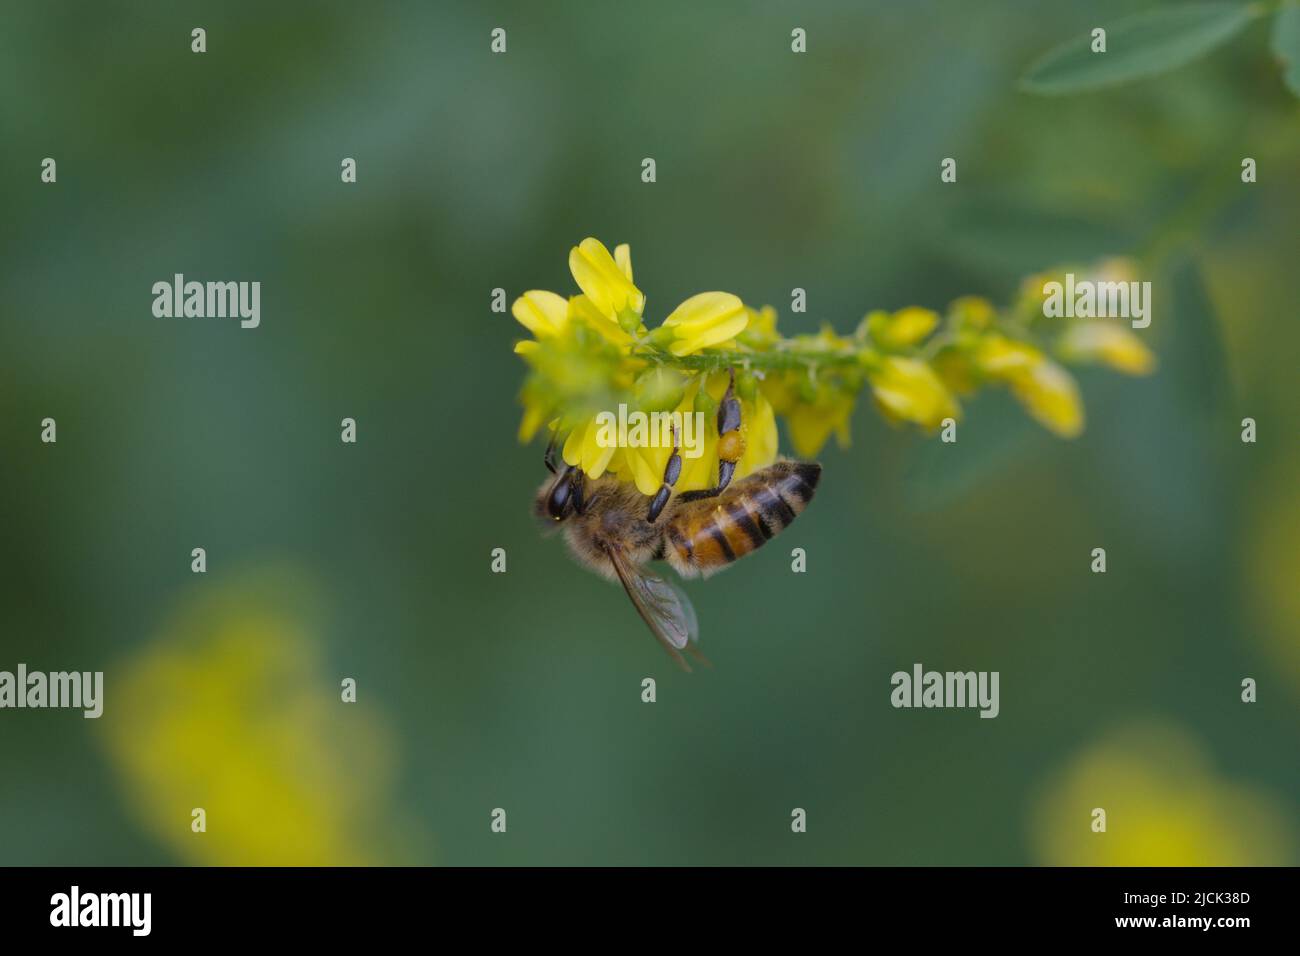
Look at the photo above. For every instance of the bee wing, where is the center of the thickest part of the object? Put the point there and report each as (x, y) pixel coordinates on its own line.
(662, 605)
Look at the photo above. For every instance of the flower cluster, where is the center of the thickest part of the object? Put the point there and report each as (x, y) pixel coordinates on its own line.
(593, 351)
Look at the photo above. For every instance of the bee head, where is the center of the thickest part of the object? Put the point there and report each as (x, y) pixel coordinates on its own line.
(558, 498)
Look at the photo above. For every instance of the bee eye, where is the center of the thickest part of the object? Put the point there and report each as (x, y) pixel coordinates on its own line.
(558, 501)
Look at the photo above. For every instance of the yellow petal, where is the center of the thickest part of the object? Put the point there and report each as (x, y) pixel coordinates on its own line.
(596, 455)
(706, 308)
(623, 259)
(760, 436)
(702, 472)
(1050, 395)
(809, 429)
(648, 478)
(540, 312)
(705, 320)
(602, 281)
(584, 310)
(904, 328)
(972, 311)
(572, 451)
(1108, 343)
(1004, 358)
(707, 338)
(910, 389)
(532, 420)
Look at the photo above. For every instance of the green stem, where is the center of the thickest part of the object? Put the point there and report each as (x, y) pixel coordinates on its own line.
(777, 360)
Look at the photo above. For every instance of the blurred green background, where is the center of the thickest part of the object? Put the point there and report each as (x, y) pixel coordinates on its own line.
(522, 691)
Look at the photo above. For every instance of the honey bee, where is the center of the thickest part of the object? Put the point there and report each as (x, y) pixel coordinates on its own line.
(616, 531)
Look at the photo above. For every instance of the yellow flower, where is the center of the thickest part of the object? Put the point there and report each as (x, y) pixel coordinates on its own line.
(230, 709)
(811, 425)
(761, 332)
(644, 465)
(705, 320)
(592, 352)
(545, 314)
(757, 427)
(606, 281)
(1164, 806)
(972, 311)
(1108, 343)
(903, 329)
(1047, 391)
(909, 389)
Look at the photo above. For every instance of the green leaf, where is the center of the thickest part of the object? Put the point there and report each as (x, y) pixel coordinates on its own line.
(1141, 45)
(1286, 43)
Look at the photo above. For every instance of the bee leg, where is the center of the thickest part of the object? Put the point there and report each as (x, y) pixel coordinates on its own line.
(671, 472)
(548, 459)
(577, 482)
(731, 443)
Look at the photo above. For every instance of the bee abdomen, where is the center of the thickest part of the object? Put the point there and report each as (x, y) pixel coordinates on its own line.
(714, 532)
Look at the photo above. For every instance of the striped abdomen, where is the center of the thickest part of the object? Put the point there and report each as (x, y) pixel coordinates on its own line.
(709, 534)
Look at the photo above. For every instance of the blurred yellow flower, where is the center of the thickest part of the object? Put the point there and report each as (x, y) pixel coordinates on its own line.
(1002, 358)
(1108, 343)
(908, 389)
(956, 370)
(811, 425)
(972, 312)
(228, 710)
(1047, 391)
(761, 332)
(1164, 806)
(534, 414)
(902, 329)
(705, 320)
